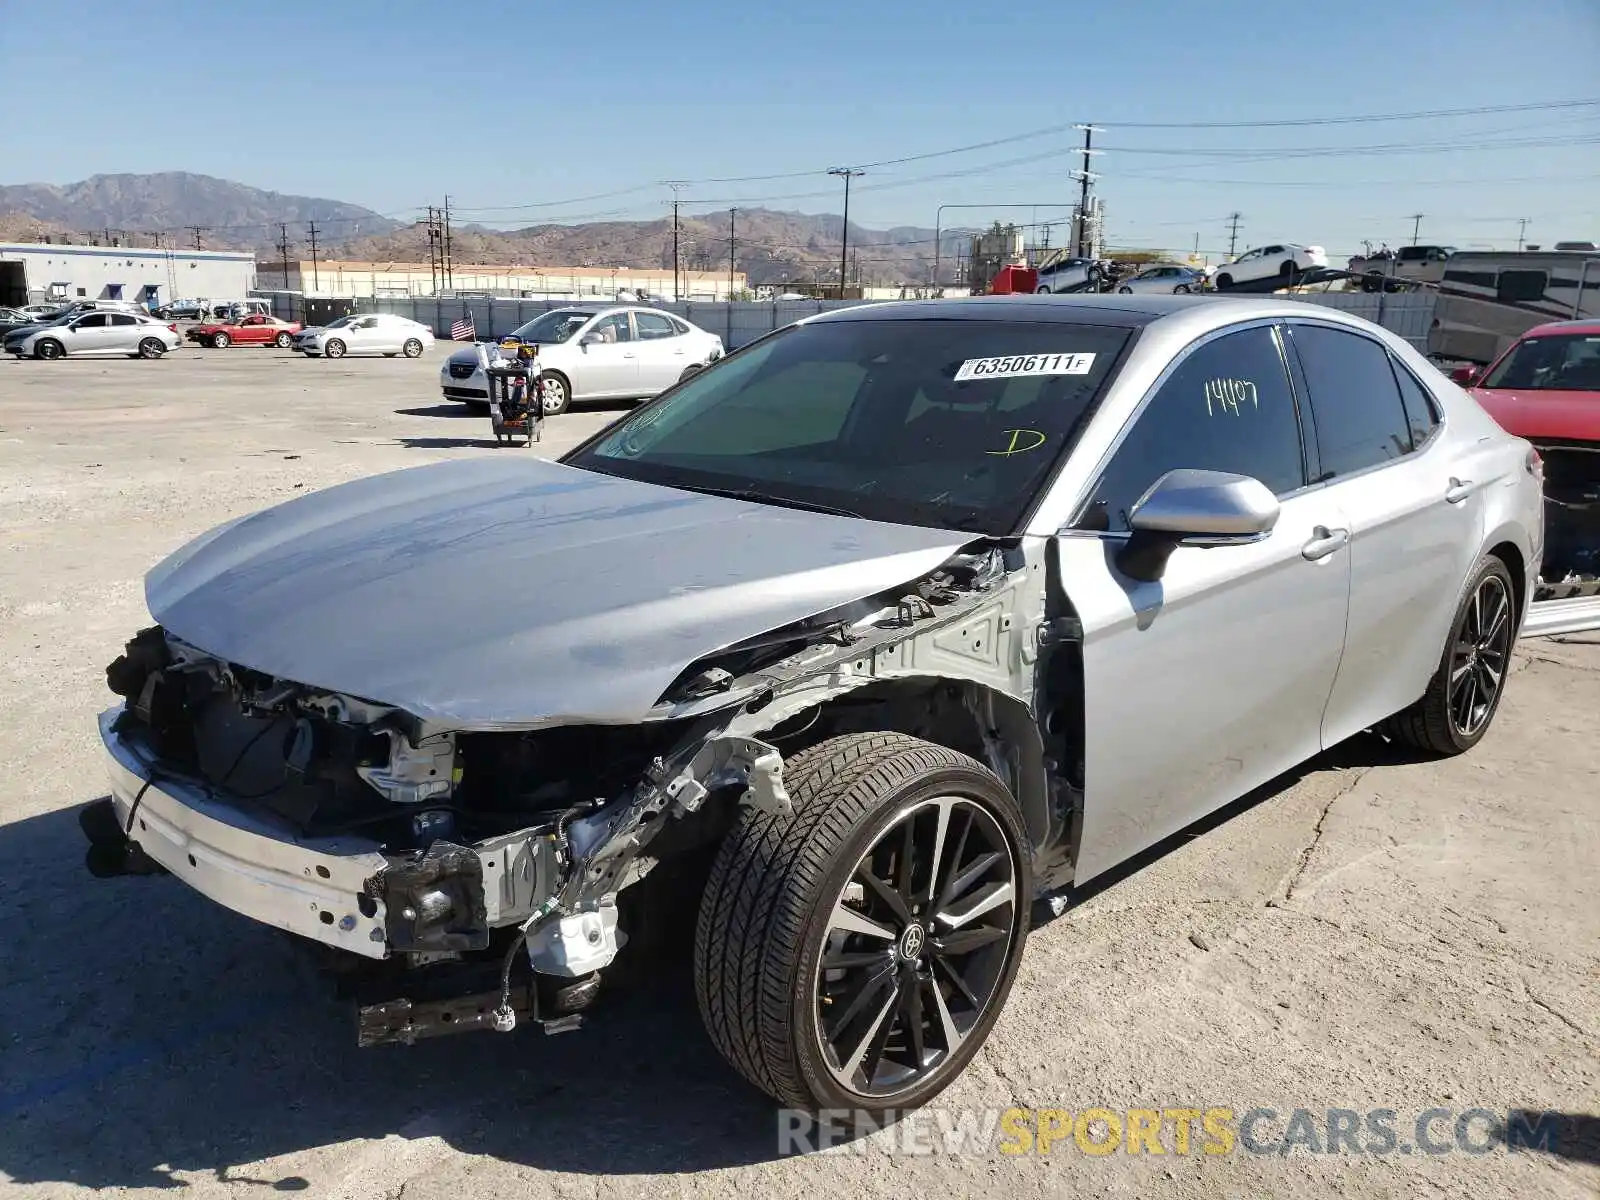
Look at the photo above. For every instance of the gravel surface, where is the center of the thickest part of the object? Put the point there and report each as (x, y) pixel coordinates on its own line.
(1371, 933)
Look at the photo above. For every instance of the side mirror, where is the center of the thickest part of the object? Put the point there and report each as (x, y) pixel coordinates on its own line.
(590, 339)
(1466, 376)
(1195, 508)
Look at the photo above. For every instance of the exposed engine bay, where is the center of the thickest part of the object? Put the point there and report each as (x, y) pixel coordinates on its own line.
(469, 849)
(1571, 565)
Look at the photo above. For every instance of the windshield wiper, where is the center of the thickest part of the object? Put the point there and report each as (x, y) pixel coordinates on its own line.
(764, 498)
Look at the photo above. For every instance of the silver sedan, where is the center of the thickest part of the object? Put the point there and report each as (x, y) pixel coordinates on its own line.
(857, 641)
(1165, 278)
(96, 334)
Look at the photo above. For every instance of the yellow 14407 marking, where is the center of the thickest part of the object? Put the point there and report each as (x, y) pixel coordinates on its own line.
(1022, 440)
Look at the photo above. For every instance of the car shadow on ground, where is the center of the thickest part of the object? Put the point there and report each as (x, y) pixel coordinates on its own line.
(153, 1034)
(449, 443)
(443, 410)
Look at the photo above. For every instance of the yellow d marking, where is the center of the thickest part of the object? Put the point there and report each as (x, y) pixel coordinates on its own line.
(1022, 440)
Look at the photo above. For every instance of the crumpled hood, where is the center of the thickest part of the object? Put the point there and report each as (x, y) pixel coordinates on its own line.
(515, 591)
(1542, 412)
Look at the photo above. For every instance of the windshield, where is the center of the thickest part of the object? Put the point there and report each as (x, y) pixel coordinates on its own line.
(552, 327)
(952, 424)
(341, 322)
(1566, 362)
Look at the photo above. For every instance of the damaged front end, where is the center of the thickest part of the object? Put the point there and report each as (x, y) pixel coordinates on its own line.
(468, 878)
(1567, 596)
(431, 855)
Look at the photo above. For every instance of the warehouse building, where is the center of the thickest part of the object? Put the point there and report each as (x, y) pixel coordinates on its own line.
(403, 280)
(41, 272)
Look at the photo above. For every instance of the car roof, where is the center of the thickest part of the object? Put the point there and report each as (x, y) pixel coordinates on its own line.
(1586, 328)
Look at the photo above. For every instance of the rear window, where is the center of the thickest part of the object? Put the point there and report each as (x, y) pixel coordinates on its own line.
(955, 424)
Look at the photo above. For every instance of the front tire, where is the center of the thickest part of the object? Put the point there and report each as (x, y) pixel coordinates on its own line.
(1462, 698)
(48, 349)
(221, 341)
(555, 394)
(334, 348)
(856, 953)
(1124, 291)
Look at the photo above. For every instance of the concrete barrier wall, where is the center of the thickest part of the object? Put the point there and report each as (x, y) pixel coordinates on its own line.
(1408, 313)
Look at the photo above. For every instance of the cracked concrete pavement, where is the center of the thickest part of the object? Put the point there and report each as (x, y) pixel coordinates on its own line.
(1370, 933)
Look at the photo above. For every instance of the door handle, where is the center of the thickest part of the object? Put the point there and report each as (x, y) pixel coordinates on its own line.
(1324, 541)
(1458, 490)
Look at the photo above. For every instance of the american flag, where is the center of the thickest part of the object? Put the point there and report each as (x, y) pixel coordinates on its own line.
(463, 331)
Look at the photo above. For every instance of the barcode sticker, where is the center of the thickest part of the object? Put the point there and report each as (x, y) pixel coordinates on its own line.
(1012, 365)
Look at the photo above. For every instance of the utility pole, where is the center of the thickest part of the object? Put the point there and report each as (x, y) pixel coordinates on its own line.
(1233, 234)
(449, 259)
(316, 282)
(847, 173)
(197, 230)
(1085, 178)
(1522, 229)
(433, 250)
(731, 213)
(283, 249)
(674, 186)
(1416, 226)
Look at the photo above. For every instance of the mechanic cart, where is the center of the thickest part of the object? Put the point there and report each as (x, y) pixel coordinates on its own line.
(516, 408)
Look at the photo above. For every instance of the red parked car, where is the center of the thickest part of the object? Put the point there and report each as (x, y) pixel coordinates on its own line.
(254, 330)
(1546, 388)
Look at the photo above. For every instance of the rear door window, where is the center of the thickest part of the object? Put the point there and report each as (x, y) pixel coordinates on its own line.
(1421, 414)
(1360, 418)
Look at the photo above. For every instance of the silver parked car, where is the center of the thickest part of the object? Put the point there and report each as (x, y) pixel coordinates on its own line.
(838, 653)
(95, 334)
(1164, 278)
(603, 353)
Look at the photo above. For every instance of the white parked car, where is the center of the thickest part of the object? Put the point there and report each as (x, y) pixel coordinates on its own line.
(366, 333)
(601, 353)
(1282, 261)
(100, 333)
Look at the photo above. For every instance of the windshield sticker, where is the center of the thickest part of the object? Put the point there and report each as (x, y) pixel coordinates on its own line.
(1226, 395)
(1021, 441)
(1010, 366)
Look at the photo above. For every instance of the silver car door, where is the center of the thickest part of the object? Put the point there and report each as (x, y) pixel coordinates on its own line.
(1211, 680)
(125, 333)
(663, 351)
(1416, 511)
(607, 363)
(89, 334)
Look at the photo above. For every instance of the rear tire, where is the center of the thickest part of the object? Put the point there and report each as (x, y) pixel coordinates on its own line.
(151, 348)
(1181, 290)
(1224, 282)
(334, 348)
(283, 340)
(860, 858)
(1464, 694)
(412, 348)
(1287, 269)
(690, 370)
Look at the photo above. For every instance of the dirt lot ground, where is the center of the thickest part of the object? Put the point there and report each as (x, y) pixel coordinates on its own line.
(1372, 934)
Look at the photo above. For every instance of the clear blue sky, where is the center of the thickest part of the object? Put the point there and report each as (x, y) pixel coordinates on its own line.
(393, 105)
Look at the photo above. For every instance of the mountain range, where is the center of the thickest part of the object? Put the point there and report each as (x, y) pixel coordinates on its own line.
(770, 247)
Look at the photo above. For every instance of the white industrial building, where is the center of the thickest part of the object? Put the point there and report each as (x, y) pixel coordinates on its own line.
(407, 280)
(40, 272)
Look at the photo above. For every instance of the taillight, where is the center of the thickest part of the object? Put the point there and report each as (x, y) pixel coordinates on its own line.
(174, 328)
(1534, 465)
